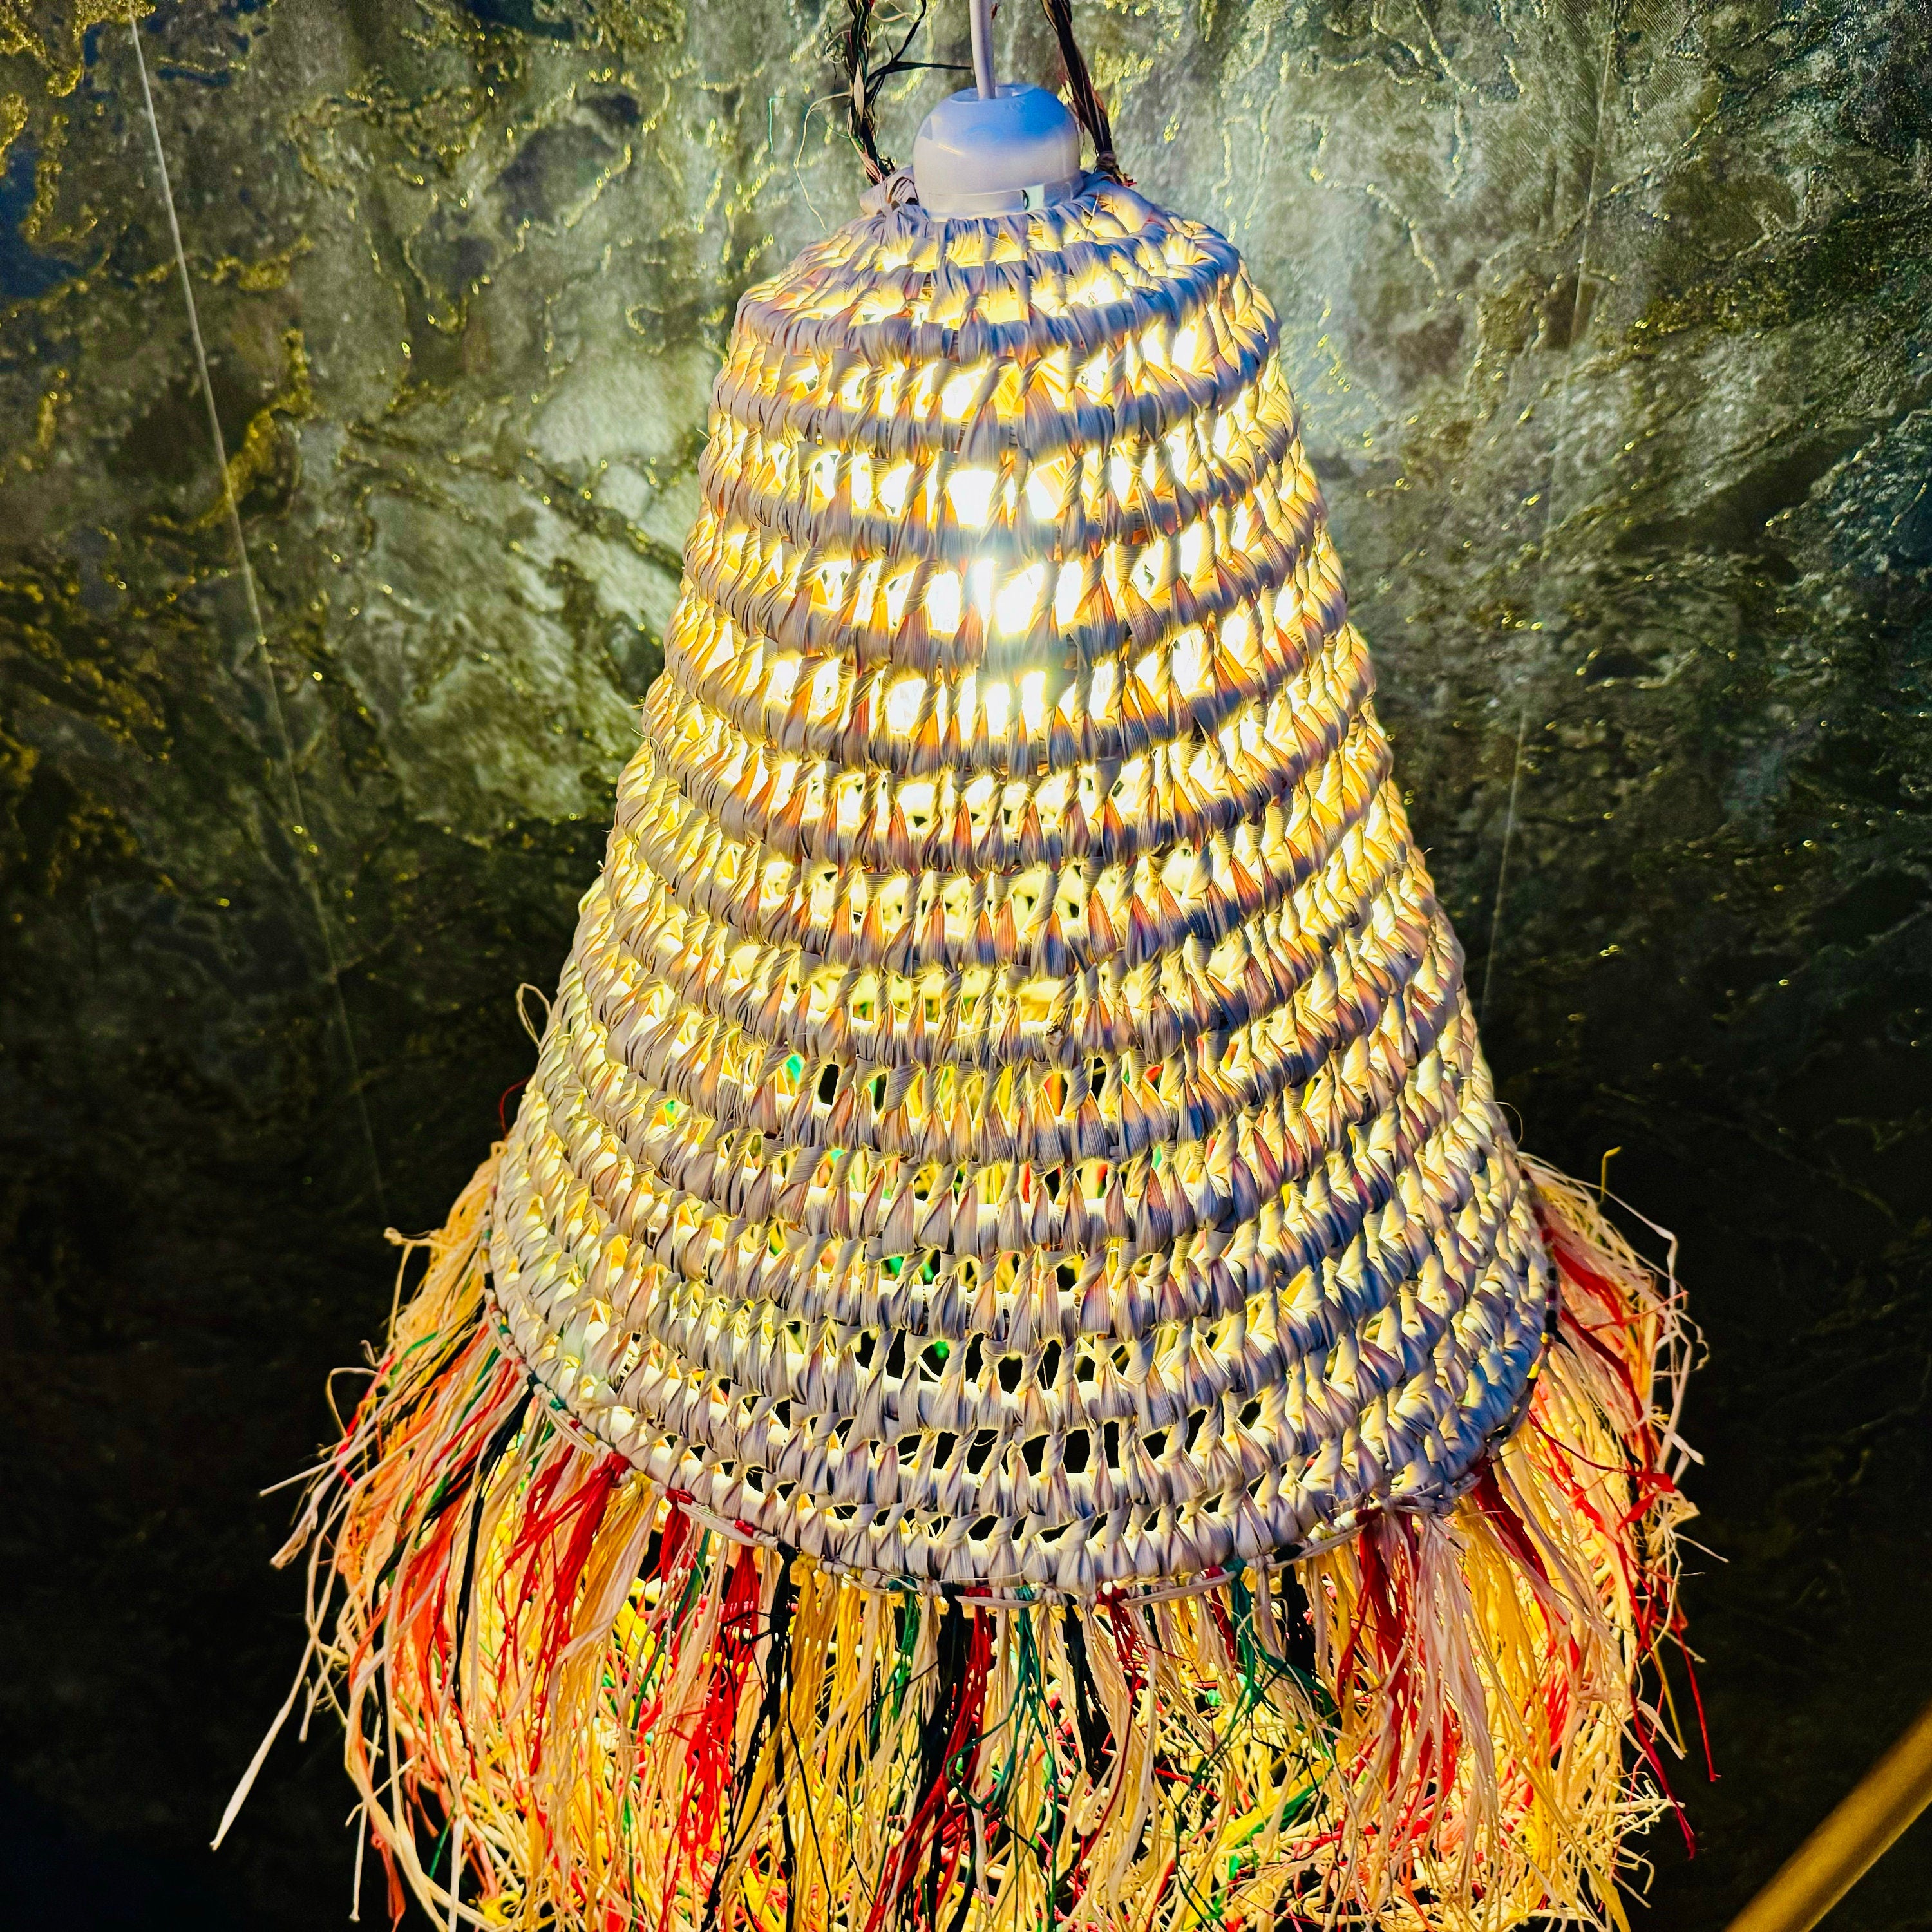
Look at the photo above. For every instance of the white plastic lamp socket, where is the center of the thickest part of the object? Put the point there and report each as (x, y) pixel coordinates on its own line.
(1019, 150)
(995, 149)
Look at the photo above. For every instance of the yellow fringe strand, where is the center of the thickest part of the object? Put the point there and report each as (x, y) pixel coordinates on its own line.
(569, 1703)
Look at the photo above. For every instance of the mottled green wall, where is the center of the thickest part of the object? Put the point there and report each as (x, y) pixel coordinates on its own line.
(1611, 323)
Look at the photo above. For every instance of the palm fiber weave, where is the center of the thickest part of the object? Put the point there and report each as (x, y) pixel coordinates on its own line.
(1012, 1116)
(1009, 1371)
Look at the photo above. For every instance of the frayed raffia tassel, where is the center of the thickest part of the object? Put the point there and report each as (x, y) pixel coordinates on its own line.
(602, 1711)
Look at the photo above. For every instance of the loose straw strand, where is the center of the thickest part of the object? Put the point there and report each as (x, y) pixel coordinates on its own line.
(300, 824)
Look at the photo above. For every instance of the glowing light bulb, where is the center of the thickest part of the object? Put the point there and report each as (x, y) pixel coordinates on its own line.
(957, 397)
(1013, 609)
(943, 606)
(1068, 589)
(902, 703)
(825, 688)
(971, 493)
(1184, 660)
(1100, 692)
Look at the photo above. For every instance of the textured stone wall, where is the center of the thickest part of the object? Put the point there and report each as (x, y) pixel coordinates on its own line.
(1610, 320)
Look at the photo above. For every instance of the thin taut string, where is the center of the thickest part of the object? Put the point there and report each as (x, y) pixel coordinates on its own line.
(1502, 862)
(1561, 430)
(300, 823)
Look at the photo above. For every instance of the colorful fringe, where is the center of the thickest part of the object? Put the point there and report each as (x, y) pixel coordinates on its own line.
(568, 1703)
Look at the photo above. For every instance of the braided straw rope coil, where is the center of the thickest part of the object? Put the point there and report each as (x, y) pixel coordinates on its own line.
(987, 1382)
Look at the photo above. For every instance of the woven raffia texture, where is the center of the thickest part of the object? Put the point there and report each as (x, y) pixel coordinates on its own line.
(1012, 1116)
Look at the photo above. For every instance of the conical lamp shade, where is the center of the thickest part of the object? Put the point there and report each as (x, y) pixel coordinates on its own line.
(1008, 1372)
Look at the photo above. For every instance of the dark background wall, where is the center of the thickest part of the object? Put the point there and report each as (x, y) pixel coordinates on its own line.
(1610, 318)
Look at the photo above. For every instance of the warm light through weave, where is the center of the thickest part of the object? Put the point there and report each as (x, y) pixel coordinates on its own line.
(1009, 1372)
(1011, 1115)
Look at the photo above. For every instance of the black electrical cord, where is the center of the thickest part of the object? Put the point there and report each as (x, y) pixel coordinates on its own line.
(849, 43)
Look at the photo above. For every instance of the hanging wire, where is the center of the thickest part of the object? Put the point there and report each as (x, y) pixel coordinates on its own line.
(1550, 489)
(1502, 864)
(980, 13)
(849, 44)
(299, 823)
(1088, 108)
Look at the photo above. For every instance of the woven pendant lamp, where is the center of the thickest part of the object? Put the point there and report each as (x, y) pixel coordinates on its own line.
(1008, 1372)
